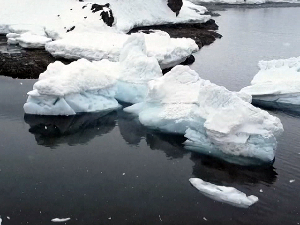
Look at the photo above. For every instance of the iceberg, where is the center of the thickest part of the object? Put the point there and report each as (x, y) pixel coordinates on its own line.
(212, 118)
(85, 86)
(107, 45)
(228, 195)
(276, 84)
(81, 86)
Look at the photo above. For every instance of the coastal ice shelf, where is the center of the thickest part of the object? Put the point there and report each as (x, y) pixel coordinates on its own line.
(228, 195)
(277, 83)
(214, 120)
(84, 86)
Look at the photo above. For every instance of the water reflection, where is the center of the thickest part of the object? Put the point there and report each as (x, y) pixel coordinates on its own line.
(52, 131)
(222, 173)
(206, 167)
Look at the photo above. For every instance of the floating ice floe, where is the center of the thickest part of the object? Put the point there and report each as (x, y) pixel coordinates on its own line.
(81, 86)
(228, 195)
(58, 220)
(107, 45)
(214, 120)
(276, 84)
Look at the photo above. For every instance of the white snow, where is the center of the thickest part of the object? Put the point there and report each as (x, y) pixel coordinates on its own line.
(229, 195)
(58, 220)
(28, 40)
(81, 86)
(214, 120)
(277, 81)
(242, 1)
(105, 45)
(60, 15)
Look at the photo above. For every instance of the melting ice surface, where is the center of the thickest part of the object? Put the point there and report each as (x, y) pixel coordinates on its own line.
(277, 84)
(228, 195)
(212, 118)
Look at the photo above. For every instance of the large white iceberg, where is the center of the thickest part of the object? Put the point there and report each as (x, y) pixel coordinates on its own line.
(85, 86)
(228, 195)
(81, 86)
(212, 118)
(107, 45)
(278, 81)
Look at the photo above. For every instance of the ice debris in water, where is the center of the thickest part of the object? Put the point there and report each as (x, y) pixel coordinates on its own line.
(212, 118)
(224, 194)
(278, 81)
(58, 220)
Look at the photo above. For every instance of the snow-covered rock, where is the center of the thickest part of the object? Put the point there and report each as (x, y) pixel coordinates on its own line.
(107, 45)
(122, 15)
(229, 195)
(212, 118)
(81, 86)
(242, 1)
(278, 81)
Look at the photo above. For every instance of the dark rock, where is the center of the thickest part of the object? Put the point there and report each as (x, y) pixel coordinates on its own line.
(202, 33)
(106, 16)
(175, 5)
(189, 60)
(20, 63)
(72, 28)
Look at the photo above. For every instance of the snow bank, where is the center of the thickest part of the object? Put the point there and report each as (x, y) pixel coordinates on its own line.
(212, 118)
(228, 195)
(80, 86)
(27, 40)
(242, 1)
(277, 81)
(105, 45)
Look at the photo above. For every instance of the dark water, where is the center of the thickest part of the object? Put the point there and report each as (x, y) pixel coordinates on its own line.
(108, 169)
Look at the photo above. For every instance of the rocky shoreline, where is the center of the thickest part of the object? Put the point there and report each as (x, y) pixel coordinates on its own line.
(17, 62)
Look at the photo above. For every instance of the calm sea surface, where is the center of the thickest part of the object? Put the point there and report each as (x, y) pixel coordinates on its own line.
(108, 169)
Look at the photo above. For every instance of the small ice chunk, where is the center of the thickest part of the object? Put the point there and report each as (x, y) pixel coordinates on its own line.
(292, 181)
(224, 194)
(261, 191)
(58, 220)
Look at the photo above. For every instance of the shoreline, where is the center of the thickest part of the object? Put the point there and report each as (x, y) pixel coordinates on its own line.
(30, 63)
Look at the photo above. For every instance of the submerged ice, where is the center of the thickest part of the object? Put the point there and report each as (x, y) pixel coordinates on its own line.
(214, 120)
(228, 195)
